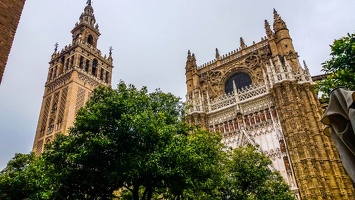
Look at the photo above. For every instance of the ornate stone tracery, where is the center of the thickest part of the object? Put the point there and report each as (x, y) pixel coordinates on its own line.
(279, 112)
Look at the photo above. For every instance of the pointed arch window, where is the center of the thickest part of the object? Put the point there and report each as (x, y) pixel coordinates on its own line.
(94, 67)
(81, 64)
(51, 126)
(62, 60)
(67, 64)
(107, 77)
(71, 61)
(50, 74)
(55, 71)
(59, 124)
(87, 66)
(90, 40)
(101, 74)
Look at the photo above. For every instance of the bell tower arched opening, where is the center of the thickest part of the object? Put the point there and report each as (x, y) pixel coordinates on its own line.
(90, 40)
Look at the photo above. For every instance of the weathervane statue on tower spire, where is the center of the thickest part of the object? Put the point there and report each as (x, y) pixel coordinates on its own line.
(88, 2)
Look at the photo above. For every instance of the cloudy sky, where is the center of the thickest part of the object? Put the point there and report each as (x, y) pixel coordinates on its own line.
(150, 39)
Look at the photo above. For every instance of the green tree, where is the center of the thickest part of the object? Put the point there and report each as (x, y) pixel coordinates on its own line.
(135, 145)
(130, 139)
(247, 176)
(340, 68)
(26, 177)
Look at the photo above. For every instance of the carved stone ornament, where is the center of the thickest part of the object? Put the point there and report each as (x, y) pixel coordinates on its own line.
(252, 61)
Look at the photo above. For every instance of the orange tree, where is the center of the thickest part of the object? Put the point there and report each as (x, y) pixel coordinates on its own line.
(340, 68)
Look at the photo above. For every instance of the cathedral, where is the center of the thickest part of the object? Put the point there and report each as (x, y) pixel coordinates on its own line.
(73, 73)
(261, 95)
(258, 94)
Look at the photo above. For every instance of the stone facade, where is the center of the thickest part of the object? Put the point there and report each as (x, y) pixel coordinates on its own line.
(72, 75)
(261, 95)
(10, 13)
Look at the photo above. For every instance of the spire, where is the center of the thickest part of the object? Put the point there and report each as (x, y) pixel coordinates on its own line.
(86, 30)
(191, 61)
(217, 54)
(56, 47)
(305, 65)
(306, 69)
(193, 58)
(242, 44)
(88, 15)
(268, 29)
(278, 22)
(110, 51)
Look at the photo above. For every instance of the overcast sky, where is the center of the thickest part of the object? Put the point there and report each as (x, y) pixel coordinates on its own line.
(150, 39)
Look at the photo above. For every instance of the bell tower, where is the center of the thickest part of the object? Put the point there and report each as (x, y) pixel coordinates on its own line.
(73, 73)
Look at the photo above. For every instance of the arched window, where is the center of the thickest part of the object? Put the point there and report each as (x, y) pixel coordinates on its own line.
(59, 123)
(240, 79)
(101, 74)
(90, 40)
(50, 126)
(107, 77)
(54, 108)
(72, 61)
(81, 64)
(50, 74)
(87, 66)
(67, 64)
(55, 71)
(62, 60)
(94, 67)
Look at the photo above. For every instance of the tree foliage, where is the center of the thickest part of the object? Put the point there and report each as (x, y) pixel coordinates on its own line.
(132, 144)
(340, 68)
(248, 176)
(130, 139)
(26, 177)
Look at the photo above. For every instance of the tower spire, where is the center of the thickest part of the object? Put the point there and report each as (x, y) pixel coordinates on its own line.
(56, 47)
(86, 30)
(217, 54)
(242, 43)
(110, 51)
(268, 29)
(278, 22)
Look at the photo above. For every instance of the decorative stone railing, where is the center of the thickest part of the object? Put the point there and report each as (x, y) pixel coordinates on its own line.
(223, 101)
(243, 95)
(251, 91)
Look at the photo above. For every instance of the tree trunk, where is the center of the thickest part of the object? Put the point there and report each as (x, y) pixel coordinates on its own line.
(135, 193)
(145, 193)
(150, 194)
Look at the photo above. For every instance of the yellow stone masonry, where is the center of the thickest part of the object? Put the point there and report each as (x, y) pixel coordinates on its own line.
(73, 73)
(261, 95)
(10, 13)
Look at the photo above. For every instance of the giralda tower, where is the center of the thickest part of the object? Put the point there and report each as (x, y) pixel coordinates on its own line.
(73, 73)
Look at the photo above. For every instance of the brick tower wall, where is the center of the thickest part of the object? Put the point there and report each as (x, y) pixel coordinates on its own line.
(10, 13)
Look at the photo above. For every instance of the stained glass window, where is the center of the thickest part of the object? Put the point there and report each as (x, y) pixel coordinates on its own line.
(241, 80)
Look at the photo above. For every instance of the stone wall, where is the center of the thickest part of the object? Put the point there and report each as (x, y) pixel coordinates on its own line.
(10, 13)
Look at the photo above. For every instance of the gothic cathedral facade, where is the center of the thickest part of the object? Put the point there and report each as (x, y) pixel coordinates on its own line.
(72, 75)
(261, 95)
